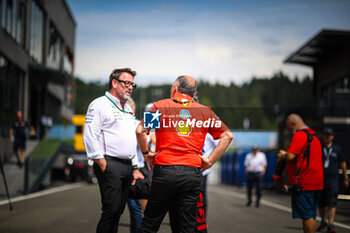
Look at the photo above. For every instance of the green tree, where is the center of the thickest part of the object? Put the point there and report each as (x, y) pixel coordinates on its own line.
(261, 100)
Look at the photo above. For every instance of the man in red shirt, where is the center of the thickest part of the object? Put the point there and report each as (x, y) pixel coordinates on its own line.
(304, 171)
(178, 158)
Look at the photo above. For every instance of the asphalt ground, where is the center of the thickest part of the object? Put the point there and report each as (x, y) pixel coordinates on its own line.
(76, 208)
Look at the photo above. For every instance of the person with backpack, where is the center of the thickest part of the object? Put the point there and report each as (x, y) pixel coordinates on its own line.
(304, 171)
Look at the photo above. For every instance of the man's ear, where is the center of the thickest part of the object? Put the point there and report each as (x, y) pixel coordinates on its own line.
(174, 89)
(114, 83)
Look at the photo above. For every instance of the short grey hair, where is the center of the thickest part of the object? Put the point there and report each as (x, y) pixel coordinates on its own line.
(184, 86)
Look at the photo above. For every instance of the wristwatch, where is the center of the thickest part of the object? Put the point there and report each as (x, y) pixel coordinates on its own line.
(146, 152)
(135, 167)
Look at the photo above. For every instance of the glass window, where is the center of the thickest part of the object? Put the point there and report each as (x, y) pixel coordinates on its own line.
(9, 15)
(1, 13)
(11, 79)
(12, 18)
(3, 77)
(36, 32)
(68, 62)
(55, 54)
(19, 21)
(68, 100)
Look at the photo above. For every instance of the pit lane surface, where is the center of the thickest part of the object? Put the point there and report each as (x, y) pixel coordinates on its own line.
(76, 208)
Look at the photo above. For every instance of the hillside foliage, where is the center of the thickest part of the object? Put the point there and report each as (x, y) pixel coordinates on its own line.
(261, 100)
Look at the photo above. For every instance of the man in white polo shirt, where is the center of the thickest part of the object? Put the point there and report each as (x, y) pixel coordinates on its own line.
(255, 167)
(110, 141)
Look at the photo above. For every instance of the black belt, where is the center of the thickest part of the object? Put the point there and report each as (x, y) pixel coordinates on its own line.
(254, 173)
(126, 161)
(179, 167)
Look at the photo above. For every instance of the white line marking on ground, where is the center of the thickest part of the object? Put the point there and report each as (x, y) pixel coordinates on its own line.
(218, 190)
(42, 193)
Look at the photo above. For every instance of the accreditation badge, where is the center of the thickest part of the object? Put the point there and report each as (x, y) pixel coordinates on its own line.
(326, 163)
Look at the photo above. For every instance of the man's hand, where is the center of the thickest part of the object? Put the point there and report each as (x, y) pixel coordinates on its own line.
(137, 175)
(102, 163)
(281, 155)
(346, 178)
(206, 163)
(225, 140)
(149, 158)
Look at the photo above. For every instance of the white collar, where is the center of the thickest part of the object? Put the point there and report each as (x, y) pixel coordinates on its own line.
(115, 99)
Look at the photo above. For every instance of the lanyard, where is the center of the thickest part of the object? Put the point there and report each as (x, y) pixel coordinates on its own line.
(326, 162)
(118, 107)
(183, 102)
(327, 154)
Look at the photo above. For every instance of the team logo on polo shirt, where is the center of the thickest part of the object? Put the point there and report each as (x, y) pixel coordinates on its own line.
(151, 120)
(184, 129)
(184, 114)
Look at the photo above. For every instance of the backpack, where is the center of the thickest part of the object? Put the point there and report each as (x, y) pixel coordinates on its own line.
(306, 152)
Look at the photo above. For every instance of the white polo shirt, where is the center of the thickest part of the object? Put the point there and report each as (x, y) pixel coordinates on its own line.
(208, 148)
(139, 155)
(255, 163)
(110, 130)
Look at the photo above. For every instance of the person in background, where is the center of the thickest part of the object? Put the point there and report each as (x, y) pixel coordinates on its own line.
(304, 171)
(18, 135)
(333, 160)
(134, 204)
(151, 137)
(208, 148)
(151, 140)
(110, 141)
(255, 166)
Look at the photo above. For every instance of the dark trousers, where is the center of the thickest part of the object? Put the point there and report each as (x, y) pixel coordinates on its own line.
(201, 208)
(174, 188)
(201, 225)
(114, 189)
(252, 178)
(204, 192)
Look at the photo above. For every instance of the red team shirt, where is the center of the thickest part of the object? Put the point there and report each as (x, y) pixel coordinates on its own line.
(311, 177)
(179, 143)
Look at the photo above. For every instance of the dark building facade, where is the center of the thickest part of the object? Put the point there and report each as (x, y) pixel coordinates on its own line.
(37, 40)
(328, 53)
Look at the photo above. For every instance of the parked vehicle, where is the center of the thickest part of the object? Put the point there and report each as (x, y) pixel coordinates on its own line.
(78, 164)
